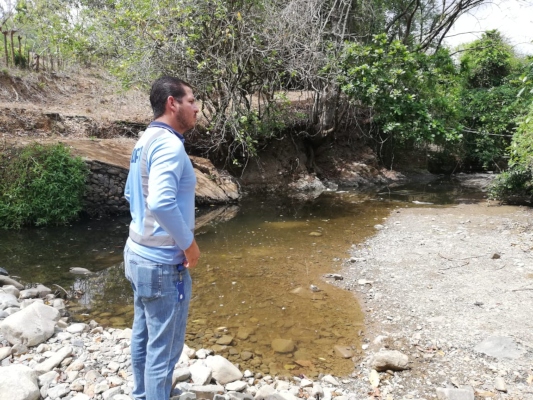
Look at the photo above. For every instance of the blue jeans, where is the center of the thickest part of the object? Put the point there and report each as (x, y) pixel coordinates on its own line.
(159, 322)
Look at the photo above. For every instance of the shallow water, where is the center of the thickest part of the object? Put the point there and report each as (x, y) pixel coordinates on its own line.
(254, 279)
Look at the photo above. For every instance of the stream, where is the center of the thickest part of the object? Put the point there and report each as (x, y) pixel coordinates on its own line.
(260, 275)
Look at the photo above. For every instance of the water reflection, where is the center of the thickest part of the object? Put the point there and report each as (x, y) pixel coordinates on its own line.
(254, 281)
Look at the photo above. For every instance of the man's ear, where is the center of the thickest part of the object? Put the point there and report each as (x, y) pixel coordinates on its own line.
(171, 103)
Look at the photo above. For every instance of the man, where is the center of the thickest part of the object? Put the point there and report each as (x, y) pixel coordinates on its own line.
(161, 246)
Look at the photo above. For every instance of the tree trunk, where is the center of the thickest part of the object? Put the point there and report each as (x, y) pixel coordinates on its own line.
(20, 52)
(5, 48)
(13, 47)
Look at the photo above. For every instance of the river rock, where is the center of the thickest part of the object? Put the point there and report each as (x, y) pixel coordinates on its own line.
(202, 353)
(264, 392)
(331, 380)
(30, 326)
(308, 183)
(79, 271)
(237, 386)
(10, 289)
(5, 352)
(200, 373)
(466, 393)
(18, 382)
(318, 391)
(206, 391)
(306, 383)
(47, 378)
(3, 272)
(6, 280)
(180, 375)
(500, 347)
(499, 384)
(8, 300)
(389, 359)
(29, 293)
(111, 393)
(343, 351)
(225, 340)
(53, 361)
(244, 333)
(223, 371)
(283, 345)
(77, 328)
(58, 391)
(81, 396)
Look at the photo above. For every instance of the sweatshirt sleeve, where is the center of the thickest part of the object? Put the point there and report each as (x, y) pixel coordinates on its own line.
(166, 160)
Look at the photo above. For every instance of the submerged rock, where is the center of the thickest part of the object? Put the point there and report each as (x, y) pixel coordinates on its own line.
(283, 345)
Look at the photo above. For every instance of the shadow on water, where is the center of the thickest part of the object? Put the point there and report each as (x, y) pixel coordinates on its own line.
(258, 263)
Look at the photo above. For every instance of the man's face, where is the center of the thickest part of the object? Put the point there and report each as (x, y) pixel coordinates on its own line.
(186, 111)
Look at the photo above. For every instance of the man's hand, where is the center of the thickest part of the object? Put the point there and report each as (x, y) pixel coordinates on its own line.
(192, 254)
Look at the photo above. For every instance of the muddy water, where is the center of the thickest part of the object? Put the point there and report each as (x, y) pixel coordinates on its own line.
(260, 276)
(254, 284)
(262, 280)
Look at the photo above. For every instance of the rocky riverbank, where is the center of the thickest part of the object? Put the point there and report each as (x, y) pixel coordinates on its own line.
(43, 356)
(452, 289)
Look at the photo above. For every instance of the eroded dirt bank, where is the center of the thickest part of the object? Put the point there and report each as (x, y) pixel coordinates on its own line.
(452, 288)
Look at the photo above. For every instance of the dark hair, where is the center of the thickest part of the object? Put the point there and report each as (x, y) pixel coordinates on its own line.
(164, 87)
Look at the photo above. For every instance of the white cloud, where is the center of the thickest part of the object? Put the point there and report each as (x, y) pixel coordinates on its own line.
(513, 18)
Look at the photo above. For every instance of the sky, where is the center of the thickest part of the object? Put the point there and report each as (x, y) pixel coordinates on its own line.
(513, 18)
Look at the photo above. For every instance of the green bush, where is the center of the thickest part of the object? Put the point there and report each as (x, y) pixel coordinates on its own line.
(40, 185)
(517, 182)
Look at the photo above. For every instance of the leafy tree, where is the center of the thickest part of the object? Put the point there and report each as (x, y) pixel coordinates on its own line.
(239, 53)
(60, 28)
(409, 95)
(490, 100)
(487, 62)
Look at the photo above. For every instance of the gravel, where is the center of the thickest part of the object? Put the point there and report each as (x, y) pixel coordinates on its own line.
(451, 288)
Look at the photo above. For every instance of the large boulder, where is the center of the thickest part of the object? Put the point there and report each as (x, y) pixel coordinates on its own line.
(213, 186)
(18, 382)
(31, 325)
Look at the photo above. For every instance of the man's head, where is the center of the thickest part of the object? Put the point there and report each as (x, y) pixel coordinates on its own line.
(173, 102)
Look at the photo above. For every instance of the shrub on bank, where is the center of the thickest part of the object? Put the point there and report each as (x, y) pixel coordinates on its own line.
(516, 184)
(40, 185)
